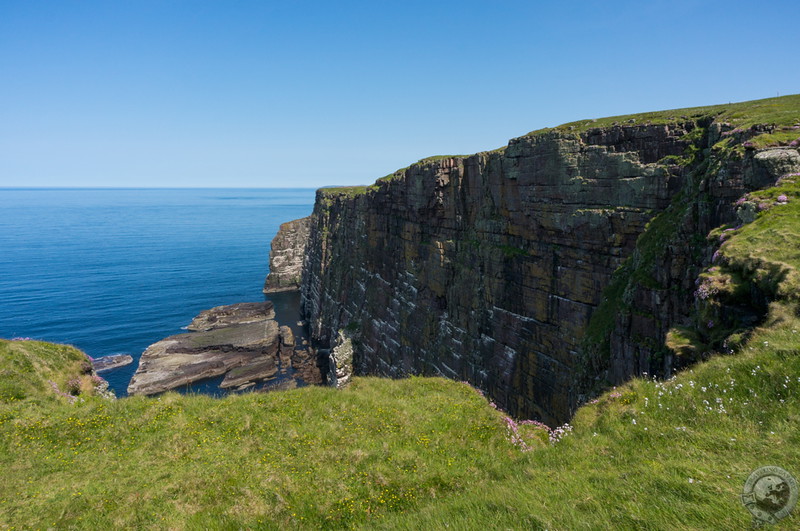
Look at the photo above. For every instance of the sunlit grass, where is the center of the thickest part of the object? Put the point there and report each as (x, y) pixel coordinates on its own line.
(415, 453)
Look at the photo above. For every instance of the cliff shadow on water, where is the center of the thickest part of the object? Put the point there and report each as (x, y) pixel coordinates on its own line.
(550, 269)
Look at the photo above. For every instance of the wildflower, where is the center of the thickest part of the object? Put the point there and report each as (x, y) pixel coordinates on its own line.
(711, 324)
(783, 199)
(749, 145)
(74, 386)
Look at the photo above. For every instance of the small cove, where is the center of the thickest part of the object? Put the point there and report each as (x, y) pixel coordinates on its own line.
(112, 271)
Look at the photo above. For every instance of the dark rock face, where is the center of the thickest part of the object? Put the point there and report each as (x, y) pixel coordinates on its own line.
(286, 256)
(667, 297)
(488, 268)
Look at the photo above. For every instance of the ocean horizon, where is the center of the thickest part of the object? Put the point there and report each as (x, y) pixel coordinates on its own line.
(113, 270)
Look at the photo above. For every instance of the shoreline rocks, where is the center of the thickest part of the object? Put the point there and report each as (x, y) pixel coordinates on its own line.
(114, 361)
(241, 341)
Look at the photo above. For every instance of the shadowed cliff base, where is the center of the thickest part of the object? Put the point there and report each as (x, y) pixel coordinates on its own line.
(552, 268)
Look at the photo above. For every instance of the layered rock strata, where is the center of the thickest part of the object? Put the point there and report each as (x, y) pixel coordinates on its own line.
(114, 361)
(286, 256)
(489, 268)
(241, 341)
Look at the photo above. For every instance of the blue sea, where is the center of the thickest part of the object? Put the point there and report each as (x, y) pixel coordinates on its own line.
(112, 271)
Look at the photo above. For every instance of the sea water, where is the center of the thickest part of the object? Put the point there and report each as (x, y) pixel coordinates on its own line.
(112, 271)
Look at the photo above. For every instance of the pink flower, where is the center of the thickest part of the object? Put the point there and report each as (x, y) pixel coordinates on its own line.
(783, 199)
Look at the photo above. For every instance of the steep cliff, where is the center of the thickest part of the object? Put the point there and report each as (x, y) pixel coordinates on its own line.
(549, 268)
(286, 256)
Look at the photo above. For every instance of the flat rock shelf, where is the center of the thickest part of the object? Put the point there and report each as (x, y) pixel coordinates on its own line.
(242, 343)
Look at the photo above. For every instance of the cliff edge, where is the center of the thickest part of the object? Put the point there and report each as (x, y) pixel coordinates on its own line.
(548, 269)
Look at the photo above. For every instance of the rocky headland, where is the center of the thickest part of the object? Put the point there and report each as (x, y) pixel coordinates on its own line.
(286, 256)
(545, 270)
(242, 341)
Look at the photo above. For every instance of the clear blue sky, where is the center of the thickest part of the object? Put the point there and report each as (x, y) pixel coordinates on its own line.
(266, 93)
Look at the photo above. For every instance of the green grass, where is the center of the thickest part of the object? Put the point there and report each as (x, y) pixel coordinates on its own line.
(767, 251)
(27, 368)
(782, 111)
(406, 454)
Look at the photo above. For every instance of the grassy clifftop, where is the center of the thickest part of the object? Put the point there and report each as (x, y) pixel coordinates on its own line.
(415, 453)
(780, 115)
(779, 112)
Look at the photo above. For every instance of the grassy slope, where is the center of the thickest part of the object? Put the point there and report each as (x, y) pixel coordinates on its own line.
(417, 453)
(782, 111)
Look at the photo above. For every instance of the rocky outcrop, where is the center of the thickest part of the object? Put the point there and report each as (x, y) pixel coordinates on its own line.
(286, 256)
(241, 337)
(341, 361)
(233, 314)
(107, 363)
(536, 271)
(241, 341)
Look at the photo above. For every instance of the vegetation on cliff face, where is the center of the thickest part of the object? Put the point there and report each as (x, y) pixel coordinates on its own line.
(726, 143)
(555, 268)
